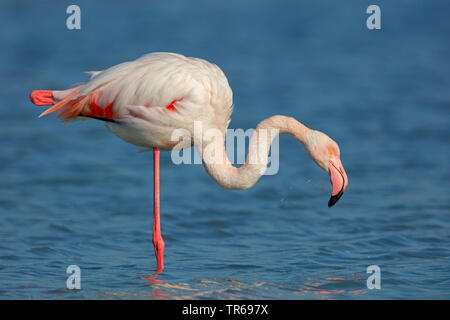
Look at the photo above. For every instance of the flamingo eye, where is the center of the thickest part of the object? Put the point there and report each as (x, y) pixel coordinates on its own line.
(330, 151)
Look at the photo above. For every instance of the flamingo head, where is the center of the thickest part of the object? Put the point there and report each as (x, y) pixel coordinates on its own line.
(325, 152)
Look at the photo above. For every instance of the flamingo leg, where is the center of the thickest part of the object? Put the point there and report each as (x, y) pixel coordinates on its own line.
(158, 242)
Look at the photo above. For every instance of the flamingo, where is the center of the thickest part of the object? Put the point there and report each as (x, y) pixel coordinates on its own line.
(145, 100)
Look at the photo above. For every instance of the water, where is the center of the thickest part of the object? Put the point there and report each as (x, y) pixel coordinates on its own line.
(76, 194)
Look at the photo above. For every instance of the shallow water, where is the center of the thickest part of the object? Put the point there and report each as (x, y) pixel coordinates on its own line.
(76, 194)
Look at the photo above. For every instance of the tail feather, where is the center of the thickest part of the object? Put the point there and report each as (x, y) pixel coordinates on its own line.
(75, 108)
(61, 103)
(69, 105)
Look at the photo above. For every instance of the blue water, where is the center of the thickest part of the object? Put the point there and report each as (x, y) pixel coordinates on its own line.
(76, 194)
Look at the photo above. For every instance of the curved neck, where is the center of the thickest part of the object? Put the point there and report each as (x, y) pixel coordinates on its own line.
(218, 166)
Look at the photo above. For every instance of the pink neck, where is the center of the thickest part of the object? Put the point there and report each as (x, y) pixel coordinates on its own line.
(244, 177)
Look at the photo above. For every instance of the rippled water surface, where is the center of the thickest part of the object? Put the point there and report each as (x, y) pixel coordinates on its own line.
(76, 194)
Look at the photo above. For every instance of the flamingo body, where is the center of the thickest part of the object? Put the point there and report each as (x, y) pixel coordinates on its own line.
(148, 98)
(145, 100)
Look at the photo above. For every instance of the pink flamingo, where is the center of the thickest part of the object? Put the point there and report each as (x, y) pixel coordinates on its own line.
(145, 100)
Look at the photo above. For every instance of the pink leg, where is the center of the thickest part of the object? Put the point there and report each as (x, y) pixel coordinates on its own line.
(42, 97)
(158, 242)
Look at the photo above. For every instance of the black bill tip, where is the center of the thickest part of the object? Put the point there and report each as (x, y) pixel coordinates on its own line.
(335, 199)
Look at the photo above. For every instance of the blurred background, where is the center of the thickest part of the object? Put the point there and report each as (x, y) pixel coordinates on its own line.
(76, 194)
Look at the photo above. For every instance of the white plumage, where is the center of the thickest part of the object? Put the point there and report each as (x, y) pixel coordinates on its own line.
(145, 100)
(142, 89)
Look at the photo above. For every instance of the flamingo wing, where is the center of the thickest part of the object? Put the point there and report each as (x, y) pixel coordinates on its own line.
(160, 90)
